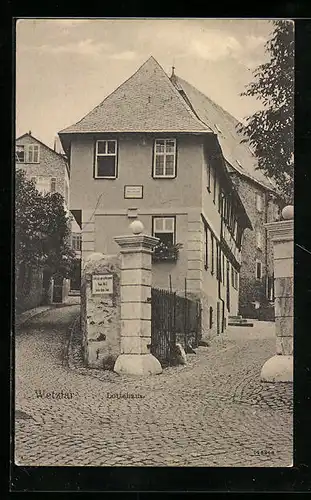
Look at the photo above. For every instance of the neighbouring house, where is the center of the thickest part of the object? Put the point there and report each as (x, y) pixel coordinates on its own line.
(259, 197)
(144, 152)
(50, 172)
(257, 272)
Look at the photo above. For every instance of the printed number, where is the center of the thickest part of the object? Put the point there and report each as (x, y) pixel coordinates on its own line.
(264, 452)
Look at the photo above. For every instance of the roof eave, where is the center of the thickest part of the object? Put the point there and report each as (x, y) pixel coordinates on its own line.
(142, 131)
(249, 177)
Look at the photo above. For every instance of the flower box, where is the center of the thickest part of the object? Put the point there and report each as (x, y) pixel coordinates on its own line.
(166, 253)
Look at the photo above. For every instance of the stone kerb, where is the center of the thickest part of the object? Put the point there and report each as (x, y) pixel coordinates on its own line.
(280, 367)
(136, 251)
(100, 310)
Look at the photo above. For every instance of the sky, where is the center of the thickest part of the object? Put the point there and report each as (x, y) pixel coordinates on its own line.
(66, 67)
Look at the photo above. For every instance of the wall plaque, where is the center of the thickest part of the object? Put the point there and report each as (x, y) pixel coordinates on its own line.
(133, 192)
(102, 284)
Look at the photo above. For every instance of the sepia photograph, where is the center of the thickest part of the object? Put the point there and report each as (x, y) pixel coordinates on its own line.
(154, 228)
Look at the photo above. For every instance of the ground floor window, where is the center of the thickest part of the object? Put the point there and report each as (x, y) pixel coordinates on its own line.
(164, 229)
(258, 270)
(77, 241)
(43, 184)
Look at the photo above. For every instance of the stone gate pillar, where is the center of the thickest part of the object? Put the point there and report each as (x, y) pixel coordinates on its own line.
(279, 368)
(135, 357)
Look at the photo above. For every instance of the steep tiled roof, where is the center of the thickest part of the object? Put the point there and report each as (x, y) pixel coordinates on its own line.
(146, 102)
(237, 154)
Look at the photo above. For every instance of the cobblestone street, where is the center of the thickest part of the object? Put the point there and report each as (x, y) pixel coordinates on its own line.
(211, 412)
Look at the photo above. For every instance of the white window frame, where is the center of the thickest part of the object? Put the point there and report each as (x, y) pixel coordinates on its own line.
(258, 262)
(31, 153)
(164, 154)
(259, 202)
(96, 176)
(164, 230)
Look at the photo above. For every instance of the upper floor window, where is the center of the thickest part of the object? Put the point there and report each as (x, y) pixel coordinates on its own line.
(214, 184)
(220, 200)
(106, 159)
(209, 177)
(212, 254)
(33, 153)
(27, 153)
(164, 229)
(259, 202)
(206, 243)
(164, 164)
(20, 153)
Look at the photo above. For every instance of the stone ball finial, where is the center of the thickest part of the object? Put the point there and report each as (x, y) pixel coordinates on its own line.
(136, 227)
(288, 212)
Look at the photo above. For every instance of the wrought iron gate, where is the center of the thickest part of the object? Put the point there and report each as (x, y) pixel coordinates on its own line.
(163, 335)
(173, 319)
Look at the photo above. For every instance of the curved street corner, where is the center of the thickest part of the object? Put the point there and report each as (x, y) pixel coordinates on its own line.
(213, 411)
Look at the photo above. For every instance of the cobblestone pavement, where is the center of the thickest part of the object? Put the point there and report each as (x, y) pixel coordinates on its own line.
(211, 412)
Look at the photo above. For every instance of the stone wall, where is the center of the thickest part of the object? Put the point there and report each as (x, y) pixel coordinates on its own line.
(100, 313)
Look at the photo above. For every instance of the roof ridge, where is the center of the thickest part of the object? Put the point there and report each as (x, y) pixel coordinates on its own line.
(211, 100)
(188, 108)
(234, 134)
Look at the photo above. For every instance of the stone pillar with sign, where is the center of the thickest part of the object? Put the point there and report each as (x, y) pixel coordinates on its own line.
(100, 310)
(279, 368)
(136, 276)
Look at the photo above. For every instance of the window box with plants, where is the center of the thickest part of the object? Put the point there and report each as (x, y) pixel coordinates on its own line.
(166, 252)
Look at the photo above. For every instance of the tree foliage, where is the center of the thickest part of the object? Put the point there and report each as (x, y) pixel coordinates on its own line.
(42, 229)
(270, 130)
